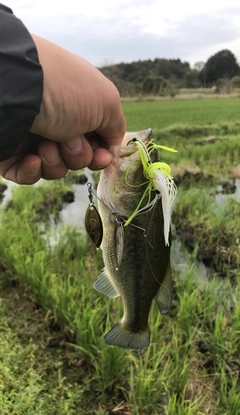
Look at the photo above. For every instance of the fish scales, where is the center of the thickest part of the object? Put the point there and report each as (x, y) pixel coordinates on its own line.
(136, 258)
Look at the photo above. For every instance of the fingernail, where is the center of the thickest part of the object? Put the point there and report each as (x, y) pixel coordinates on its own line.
(74, 145)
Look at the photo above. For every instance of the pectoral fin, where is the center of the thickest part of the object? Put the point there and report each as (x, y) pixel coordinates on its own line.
(164, 295)
(104, 285)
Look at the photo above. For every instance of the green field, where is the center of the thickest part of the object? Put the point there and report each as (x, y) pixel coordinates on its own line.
(185, 112)
(53, 360)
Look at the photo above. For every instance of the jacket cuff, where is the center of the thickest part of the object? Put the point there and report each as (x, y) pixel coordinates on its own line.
(21, 82)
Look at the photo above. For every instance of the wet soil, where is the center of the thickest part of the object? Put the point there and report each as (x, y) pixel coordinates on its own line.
(68, 197)
(209, 140)
(190, 175)
(235, 173)
(227, 187)
(194, 175)
(53, 204)
(3, 187)
(188, 178)
(216, 252)
(76, 178)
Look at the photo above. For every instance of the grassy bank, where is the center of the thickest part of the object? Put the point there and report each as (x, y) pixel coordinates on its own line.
(194, 350)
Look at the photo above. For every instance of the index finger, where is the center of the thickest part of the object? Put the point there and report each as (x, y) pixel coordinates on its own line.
(113, 125)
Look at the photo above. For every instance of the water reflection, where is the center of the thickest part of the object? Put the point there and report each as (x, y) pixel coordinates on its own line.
(181, 260)
(73, 213)
(221, 197)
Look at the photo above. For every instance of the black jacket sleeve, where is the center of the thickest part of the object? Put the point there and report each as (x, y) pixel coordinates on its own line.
(21, 82)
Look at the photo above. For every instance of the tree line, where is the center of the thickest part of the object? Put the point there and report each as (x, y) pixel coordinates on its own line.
(166, 76)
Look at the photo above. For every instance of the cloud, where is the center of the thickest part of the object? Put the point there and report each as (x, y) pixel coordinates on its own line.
(117, 41)
(127, 30)
(206, 35)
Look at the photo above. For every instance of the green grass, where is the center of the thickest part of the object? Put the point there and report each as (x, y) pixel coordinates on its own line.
(32, 378)
(193, 112)
(53, 357)
(167, 375)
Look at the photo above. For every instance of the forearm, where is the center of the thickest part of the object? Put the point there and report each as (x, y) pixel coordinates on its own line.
(21, 82)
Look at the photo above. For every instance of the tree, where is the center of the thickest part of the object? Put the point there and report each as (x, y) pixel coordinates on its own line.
(235, 82)
(221, 65)
(154, 85)
(198, 66)
(191, 79)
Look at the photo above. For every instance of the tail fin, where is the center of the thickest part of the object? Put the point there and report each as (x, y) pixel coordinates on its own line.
(118, 336)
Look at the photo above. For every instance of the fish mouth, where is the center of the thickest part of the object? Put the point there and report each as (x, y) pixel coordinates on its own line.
(127, 152)
(144, 136)
(127, 147)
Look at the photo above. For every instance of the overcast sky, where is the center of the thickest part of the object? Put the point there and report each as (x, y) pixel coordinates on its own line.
(113, 31)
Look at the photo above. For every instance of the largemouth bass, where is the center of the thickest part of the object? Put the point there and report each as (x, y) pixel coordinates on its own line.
(136, 256)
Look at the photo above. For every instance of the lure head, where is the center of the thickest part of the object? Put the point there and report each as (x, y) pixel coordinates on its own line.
(159, 167)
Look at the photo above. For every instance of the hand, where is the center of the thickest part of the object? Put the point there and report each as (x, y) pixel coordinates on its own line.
(80, 117)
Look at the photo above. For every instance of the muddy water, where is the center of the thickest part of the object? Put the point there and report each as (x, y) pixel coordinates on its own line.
(181, 260)
(73, 213)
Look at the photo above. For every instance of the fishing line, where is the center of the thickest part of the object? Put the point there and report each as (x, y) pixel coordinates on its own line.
(146, 234)
(146, 239)
(125, 176)
(119, 219)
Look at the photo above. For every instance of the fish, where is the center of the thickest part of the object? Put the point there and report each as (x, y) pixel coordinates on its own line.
(136, 257)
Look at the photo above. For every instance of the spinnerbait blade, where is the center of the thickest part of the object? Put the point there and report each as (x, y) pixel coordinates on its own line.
(93, 221)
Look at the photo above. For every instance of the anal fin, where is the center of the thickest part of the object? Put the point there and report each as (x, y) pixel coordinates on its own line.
(105, 285)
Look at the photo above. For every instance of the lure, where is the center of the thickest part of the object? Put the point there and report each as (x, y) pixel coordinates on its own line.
(93, 222)
(160, 180)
